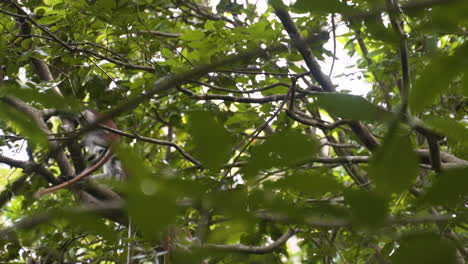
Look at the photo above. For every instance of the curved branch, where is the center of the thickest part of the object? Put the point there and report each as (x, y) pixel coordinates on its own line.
(154, 141)
(255, 249)
(214, 87)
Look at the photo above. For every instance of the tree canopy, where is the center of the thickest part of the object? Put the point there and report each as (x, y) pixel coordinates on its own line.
(239, 144)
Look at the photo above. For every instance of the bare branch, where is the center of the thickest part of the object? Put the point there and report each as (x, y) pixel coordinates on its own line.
(154, 141)
(228, 98)
(160, 33)
(214, 87)
(301, 44)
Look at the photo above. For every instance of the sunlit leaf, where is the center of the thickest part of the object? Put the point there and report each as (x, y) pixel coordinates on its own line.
(193, 35)
(322, 6)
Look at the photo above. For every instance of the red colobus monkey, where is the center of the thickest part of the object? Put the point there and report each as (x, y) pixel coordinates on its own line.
(97, 144)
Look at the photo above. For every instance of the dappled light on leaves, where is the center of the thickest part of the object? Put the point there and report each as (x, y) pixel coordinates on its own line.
(270, 131)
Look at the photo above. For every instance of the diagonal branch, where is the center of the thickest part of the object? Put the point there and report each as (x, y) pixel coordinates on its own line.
(361, 131)
(303, 48)
(168, 82)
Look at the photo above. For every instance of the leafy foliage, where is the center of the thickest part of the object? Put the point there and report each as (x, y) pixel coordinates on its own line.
(236, 146)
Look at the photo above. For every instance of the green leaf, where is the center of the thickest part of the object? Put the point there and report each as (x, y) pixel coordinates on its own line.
(378, 31)
(367, 208)
(167, 53)
(395, 165)
(424, 248)
(352, 107)
(89, 223)
(106, 4)
(47, 98)
(311, 182)
(454, 130)
(285, 148)
(431, 83)
(321, 6)
(212, 141)
(144, 192)
(52, 2)
(277, 4)
(193, 35)
(23, 124)
(450, 188)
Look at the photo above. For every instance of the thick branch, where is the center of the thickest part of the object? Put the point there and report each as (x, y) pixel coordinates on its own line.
(326, 222)
(35, 115)
(304, 49)
(29, 167)
(361, 131)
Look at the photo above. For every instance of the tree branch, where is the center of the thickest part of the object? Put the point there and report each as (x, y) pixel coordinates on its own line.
(154, 141)
(303, 48)
(28, 167)
(171, 81)
(160, 33)
(240, 248)
(228, 98)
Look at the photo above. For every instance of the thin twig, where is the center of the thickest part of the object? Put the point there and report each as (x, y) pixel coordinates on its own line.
(154, 141)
